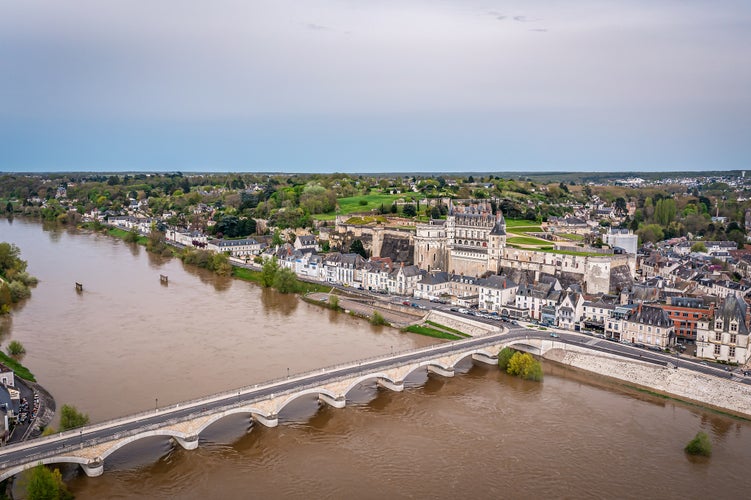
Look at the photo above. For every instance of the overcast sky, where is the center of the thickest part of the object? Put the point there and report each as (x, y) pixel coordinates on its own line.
(375, 85)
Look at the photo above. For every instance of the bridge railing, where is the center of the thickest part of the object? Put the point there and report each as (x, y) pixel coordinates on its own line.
(199, 402)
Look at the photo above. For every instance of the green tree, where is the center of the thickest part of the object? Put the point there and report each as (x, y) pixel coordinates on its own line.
(409, 210)
(525, 366)
(665, 211)
(70, 418)
(285, 280)
(268, 272)
(699, 246)
(650, 232)
(16, 348)
(358, 248)
(334, 302)
(46, 484)
(504, 357)
(378, 319)
(277, 238)
(700, 445)
(133, 235)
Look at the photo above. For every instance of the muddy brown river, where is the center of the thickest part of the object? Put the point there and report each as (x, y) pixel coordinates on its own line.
(128, 343)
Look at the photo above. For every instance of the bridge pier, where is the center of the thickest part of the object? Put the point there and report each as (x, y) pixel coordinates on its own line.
(338, 402)
(394, 386)
(189, 443)
(482, 358)
(439, 370)
(94, 468)
(268, 421)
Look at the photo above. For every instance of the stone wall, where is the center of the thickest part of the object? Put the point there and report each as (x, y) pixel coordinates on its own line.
(687, 385)
(463, 324)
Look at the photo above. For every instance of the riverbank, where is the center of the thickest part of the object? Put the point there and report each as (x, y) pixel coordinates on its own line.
(684, 385)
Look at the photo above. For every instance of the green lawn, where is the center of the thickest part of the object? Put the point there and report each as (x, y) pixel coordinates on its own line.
(431, 332)
(18, 368)
(526, 240)
(572, 252)
(373, 201)
(512, 223)
(572, 237)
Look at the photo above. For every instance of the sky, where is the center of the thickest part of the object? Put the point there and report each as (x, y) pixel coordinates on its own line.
(406, 86)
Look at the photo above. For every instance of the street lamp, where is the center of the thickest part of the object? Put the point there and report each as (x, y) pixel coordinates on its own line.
(156, 404)
(287, 372)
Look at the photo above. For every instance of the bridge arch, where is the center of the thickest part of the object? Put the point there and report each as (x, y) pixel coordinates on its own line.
(314, 390)
(63, 459)
(369, 376)
(250, 410)
(142, 435)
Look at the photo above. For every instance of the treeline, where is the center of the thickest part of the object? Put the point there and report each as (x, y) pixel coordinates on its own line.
(14, 280)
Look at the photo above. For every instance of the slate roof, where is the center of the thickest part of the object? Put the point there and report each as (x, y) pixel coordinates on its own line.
(733, 308)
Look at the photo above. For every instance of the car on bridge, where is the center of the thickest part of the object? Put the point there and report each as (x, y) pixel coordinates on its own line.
(554, 335)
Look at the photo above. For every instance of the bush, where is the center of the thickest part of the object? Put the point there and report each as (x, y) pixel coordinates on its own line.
(504, 357)
(19, 291)
(525, 366)
(378, 319)
(700, 445)
(70, 418)
(15, 348)
(285, 280)
(334, 302)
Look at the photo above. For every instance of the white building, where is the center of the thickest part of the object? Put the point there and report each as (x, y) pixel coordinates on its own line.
(725, 335)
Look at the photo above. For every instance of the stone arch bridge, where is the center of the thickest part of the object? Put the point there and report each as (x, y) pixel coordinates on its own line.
(91, 445)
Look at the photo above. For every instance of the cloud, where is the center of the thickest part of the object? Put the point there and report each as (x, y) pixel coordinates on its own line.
(318, 27)
(525, 19)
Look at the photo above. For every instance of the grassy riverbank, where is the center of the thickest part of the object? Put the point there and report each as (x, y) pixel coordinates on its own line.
(431, 332)
(19, 369)
(301, 287)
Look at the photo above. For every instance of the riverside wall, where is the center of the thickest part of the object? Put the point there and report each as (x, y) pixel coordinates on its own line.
(694, 387)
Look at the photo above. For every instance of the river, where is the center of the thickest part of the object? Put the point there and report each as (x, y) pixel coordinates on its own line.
(128, 343)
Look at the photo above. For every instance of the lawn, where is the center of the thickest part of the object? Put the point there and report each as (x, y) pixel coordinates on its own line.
(512, 223)
(430, 332)
(526, 240)
(572, 237)
(372, 201)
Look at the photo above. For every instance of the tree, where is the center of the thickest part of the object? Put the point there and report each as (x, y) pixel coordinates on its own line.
(268, 272)
(133, 235)
(409, 211)
(378, 319)
(70, 418)
(504, 357)
(665, 211)
(700, 445)
(650, 232)
(9, 207)
(277, 238)
(620, 205)
(46, 484)
(16, 348)
(285, 280)
(699, 246)
(525, 366)
(358, 248)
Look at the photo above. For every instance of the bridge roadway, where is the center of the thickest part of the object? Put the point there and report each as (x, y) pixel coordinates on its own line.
(62, 447)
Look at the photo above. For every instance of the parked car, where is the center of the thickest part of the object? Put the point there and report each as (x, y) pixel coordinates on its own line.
(554, 335)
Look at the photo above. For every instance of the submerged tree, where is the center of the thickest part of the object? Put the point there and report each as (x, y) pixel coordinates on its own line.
(70, 418)
(700, 445)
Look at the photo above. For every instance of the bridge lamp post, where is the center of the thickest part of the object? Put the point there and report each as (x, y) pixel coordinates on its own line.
(156, 404)
(287, 372)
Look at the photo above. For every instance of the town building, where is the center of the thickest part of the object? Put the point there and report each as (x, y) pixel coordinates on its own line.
(686, 313)
(724, 336)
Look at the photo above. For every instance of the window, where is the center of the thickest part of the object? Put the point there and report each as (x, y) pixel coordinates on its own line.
(734, 327)
(718, 337)
(731, 352)
(733, 338)
(717, 349)
(718, 325)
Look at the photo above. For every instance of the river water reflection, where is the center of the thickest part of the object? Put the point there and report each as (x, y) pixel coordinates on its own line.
(128, 342)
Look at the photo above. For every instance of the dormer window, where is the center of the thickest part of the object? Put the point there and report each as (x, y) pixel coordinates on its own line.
(733, 326)
(718, 325)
